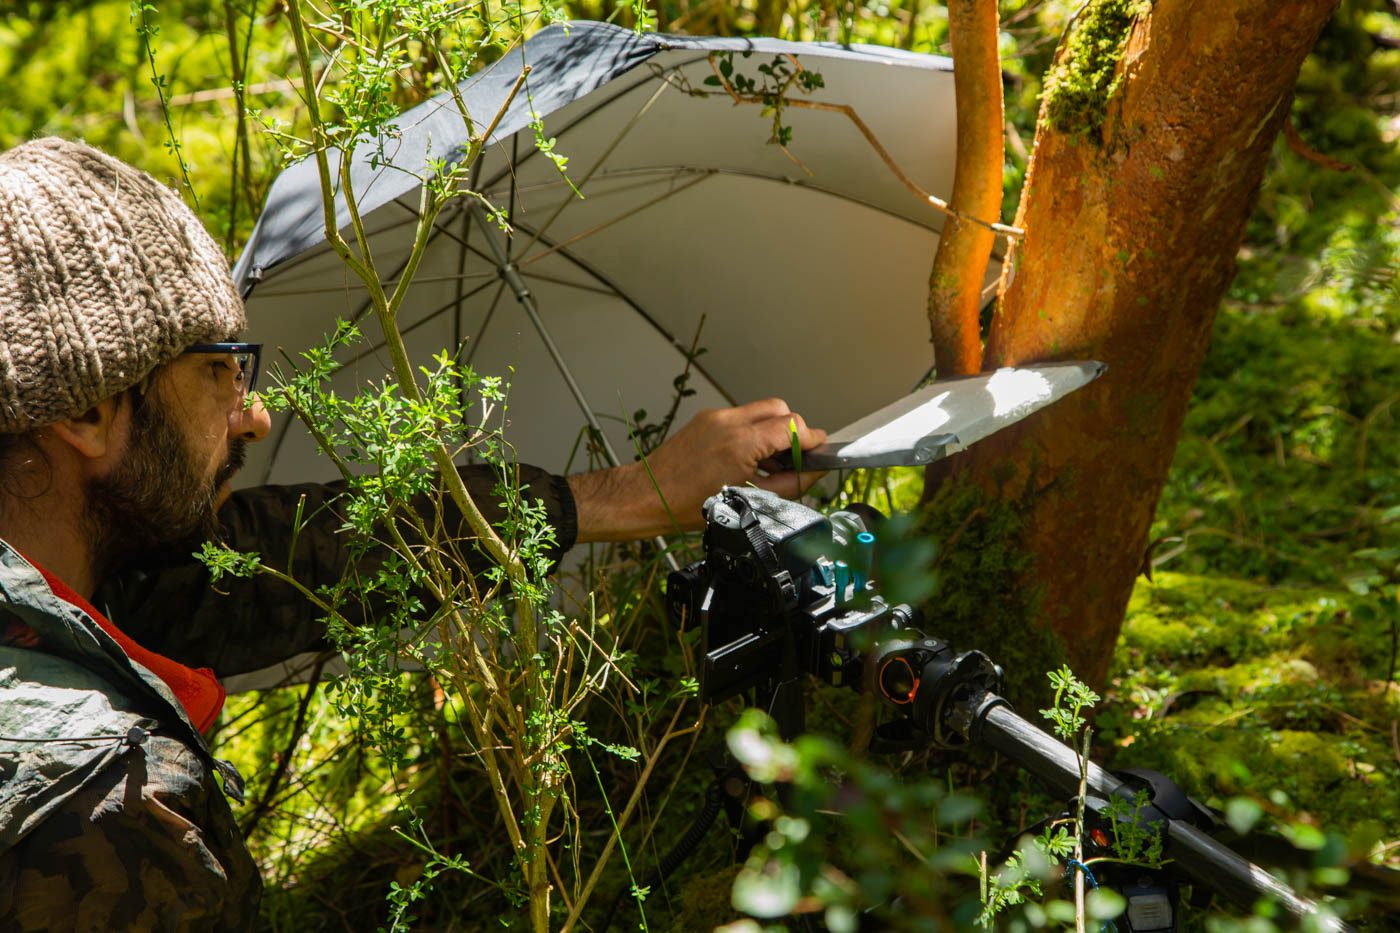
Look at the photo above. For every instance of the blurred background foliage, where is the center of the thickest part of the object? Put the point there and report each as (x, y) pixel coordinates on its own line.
(1258, 662)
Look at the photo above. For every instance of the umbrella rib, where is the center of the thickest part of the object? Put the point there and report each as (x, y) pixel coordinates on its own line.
(485, 323)
(598, 228)
(612, 147)
(464, 247)
(646, 178)
(526, 301)
(641, 173)
(678, 170)
(327, 289)
(613, 288)
(657, 74)
(461, 272)
(426, 319)
(322, 248)
(556, 280)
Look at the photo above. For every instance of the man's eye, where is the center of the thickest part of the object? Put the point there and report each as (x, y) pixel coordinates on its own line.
(225, 370)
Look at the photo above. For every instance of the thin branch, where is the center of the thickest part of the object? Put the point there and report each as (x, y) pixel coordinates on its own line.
(849, 112)
(284, 761)
(1300, 147)
(624, 820)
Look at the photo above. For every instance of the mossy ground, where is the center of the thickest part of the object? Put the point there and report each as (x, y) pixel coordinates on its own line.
(1275, 693)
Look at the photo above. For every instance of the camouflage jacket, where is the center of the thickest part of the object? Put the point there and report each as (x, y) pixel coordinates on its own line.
(110, 815)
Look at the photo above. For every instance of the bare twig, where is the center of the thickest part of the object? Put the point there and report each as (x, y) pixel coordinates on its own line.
(671, 733)
(284, 760)
(1300, 147)
(864, 129)
(957, 533)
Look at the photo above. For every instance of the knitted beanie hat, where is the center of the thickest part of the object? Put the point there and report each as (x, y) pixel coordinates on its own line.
(105, 274)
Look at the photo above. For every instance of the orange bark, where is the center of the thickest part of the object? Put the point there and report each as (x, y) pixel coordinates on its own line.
(960, 264)
(1131, 237)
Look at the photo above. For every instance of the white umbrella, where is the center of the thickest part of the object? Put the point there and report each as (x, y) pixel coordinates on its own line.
(808, 267)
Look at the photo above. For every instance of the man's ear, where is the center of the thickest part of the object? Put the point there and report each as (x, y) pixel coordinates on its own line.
(94, 433)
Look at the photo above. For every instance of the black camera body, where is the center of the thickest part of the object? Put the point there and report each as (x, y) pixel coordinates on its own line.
(783, 591)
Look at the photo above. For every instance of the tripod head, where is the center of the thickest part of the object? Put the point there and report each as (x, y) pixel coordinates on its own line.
(785, 591)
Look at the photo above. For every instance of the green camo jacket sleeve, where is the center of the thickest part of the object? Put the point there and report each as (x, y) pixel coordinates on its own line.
(241, 625)
(148, 844)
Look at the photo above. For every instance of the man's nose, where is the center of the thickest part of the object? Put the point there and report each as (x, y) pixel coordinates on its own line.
(250, 422)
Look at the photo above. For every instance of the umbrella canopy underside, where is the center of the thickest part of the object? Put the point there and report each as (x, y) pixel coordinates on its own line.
(799, 273)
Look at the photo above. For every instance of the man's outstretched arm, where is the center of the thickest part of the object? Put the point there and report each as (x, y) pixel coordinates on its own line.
(246, 624)
(718, 447)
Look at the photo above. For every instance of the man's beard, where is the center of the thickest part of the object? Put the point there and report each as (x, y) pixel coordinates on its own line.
(155, 503)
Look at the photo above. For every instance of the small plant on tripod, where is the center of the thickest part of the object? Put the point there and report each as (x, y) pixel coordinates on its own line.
(1061, 845)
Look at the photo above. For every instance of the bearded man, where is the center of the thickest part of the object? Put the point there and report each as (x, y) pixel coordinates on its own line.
(125, 405)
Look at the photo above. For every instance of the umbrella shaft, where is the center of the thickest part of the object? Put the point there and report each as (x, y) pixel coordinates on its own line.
(511, 274)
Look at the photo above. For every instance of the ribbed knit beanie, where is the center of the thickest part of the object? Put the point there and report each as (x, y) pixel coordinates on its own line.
(105, 274)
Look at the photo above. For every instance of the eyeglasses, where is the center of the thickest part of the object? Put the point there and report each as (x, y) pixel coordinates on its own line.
(247, 355)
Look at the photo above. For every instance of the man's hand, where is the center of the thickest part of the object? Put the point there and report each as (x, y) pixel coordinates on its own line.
(719, 447)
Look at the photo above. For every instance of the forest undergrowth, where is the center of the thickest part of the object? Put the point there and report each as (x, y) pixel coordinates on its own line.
(1257, 665)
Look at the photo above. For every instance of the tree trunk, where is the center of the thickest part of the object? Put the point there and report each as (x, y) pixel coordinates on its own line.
(959, 266)
(1134, 208)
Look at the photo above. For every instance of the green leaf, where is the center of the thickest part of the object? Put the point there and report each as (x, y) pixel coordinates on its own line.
(1305, 836)
(796, 447)
(1242, 814)
(841, 919)
(1104, 904)
(772, 891)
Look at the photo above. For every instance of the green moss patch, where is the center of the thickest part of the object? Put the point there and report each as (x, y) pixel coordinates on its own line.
(1085, 75)
(1274, 693)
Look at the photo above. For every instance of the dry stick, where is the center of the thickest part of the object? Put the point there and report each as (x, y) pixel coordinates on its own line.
(1363, 434)
(625, 818)
(958, 533)
(1299, 146)
(445, 597)
(212, 95)
(598, 228)
(598, 164)
(849, 113)
(481, 723)
(695, 732)
(496, 120)
(284, 762)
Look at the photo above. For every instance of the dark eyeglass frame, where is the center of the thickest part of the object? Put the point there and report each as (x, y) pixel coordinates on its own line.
(249, 359)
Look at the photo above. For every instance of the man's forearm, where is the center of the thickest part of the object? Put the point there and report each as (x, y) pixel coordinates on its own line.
(621, 504)
(718, 447)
